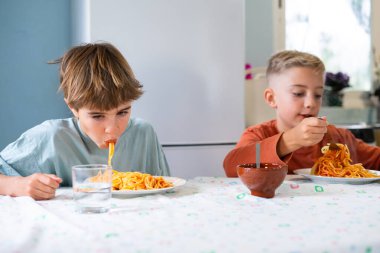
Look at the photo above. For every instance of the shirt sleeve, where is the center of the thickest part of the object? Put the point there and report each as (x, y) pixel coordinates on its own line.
(18, 159)
(6, 169)
(243, 154)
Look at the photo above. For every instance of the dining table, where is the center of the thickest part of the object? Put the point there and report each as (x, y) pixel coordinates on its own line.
(205, 215)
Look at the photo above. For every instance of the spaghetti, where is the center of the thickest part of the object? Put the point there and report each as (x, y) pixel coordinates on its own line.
(111, 150)
(137, 181)
(100, 177)
(130, 180)
(337, 163)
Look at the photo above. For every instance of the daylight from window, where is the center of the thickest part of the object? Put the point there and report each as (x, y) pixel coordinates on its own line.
(337, 31)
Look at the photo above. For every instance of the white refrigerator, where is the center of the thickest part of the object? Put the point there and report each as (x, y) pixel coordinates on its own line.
(189, 56)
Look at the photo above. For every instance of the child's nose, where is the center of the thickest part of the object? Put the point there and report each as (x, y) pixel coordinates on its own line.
(310, 102)
(111, 127)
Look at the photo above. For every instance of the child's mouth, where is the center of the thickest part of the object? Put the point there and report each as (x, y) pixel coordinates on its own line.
(107, 142)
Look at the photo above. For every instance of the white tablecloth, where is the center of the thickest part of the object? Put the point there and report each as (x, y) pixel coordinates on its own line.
(206, 215)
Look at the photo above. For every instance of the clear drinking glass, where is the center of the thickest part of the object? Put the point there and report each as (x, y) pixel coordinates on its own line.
(92, 187)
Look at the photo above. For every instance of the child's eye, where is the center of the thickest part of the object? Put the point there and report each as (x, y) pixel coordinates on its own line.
(97, 117)
(318, 96)
(123, 113)
(298, 94)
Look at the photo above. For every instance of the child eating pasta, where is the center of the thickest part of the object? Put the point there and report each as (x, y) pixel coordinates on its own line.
(296, 136)
(98, 87)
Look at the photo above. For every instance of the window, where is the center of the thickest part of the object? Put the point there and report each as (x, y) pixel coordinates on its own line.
(338, 31)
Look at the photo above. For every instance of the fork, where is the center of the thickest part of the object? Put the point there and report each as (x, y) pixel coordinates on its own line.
(333, 145)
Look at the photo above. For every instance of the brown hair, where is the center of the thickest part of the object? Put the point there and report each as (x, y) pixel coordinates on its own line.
(287, 59)
(97, 76)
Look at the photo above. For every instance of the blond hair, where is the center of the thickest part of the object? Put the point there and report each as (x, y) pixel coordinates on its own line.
(97, 76)
(287, 59)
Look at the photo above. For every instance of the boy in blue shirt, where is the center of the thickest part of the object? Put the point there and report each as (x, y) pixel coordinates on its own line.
(99, 88)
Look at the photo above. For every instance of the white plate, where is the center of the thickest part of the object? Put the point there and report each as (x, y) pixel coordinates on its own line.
(336, 180)
(175, 180)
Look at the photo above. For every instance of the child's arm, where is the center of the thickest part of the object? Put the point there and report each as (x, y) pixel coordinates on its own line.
(246, 153)
(38, 186)
(309, 132)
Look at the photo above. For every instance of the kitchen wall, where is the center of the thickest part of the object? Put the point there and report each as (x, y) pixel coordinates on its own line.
(31, 34)
(34, 32)
(259, 32)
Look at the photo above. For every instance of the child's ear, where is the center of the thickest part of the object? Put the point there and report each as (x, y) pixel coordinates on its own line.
(74, 111)
(270, 97)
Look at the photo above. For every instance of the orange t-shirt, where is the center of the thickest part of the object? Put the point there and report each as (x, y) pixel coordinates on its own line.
(268, 136)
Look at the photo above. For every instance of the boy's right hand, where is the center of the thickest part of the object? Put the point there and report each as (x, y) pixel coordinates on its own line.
(38, 186)
(308, 132)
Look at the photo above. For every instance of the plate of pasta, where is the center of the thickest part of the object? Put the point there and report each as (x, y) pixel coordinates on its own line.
(136, 183)
(337, 180)
(335, 166)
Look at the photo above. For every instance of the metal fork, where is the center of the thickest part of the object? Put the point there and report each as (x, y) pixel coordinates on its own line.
(333, 145)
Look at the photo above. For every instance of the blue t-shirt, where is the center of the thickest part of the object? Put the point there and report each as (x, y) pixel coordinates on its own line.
(56, 145)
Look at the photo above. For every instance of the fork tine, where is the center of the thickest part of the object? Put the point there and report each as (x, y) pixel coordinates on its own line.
(333, 145)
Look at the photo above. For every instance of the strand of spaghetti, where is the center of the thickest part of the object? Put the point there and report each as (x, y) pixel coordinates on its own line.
(111, 150)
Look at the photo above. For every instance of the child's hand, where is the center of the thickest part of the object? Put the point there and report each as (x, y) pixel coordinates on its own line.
(307, 133)
(310, 131)
(38, 186)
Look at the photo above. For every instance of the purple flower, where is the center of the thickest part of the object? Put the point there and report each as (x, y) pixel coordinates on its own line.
(337, 81)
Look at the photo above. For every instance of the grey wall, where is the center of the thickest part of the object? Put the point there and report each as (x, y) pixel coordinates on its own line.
(259, 32)
(32, 32)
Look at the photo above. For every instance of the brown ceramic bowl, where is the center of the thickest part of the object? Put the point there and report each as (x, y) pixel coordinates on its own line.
(263, 181)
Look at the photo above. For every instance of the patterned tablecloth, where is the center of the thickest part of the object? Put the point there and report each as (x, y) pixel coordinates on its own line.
(206, 215)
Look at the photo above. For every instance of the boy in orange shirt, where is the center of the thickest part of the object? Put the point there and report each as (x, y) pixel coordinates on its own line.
(296, 136)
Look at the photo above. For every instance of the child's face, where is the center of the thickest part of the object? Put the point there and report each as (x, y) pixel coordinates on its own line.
(297, 95)
(103, 126)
